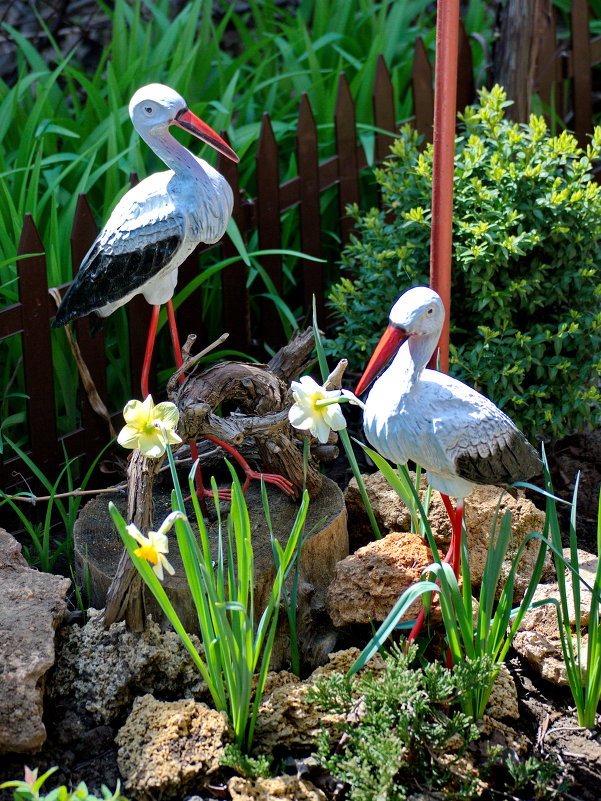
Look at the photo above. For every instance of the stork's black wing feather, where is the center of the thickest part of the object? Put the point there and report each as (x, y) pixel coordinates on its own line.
(506, 462)
(106, 277)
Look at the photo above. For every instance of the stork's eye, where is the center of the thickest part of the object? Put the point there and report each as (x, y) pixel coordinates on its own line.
(148, 110)
(430, 310)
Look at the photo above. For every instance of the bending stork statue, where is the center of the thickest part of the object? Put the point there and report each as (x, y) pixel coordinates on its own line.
(458, 435)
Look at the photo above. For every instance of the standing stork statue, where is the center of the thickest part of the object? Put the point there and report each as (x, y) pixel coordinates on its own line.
(155, 227)
(458, 435)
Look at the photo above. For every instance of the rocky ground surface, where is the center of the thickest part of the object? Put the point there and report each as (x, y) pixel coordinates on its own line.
(127, 707)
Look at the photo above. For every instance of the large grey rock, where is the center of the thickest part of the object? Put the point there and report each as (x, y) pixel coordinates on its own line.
(100, 671)
(32, 604)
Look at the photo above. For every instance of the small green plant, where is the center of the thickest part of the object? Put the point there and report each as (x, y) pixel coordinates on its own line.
(525, 318)
(397, 729)
(44, 552)
(236, 652)
(28, 789)
(583, 666)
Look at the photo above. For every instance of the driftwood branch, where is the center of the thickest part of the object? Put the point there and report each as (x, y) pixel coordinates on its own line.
(125, 597)
(254, 399)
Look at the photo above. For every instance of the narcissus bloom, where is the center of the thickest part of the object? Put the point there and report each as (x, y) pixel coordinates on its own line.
(318, 409)
(150, 428)
(154, 547)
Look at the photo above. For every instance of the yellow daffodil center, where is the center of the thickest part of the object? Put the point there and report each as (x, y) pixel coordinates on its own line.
(149, 553)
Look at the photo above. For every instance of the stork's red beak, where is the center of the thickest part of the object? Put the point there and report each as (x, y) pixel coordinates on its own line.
(194, 125)
(388, 345)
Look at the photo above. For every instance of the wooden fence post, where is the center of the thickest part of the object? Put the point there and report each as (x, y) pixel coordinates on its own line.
(346, 145)
(83, 234)
(235, 301)
(270, 227)
(309, 211)
(37, 350)
(583, 83)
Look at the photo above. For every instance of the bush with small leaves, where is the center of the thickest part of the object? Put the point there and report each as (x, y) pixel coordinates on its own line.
(526, 291)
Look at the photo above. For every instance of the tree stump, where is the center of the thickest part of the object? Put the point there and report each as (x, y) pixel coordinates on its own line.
(98, 549)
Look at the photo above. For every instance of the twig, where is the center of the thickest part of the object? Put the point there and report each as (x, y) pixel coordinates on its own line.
(78, 493)
(190, 362)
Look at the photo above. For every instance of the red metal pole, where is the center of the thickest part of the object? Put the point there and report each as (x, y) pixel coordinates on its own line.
(445, 112)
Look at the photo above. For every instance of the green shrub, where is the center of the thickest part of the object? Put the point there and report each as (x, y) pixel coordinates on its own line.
(526, 292)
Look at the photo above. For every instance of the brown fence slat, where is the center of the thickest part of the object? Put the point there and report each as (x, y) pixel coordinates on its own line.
(138, 317)
(37, 350)
(466, 92)
(235, 301)
(583, 99)
(310, 214)
(11, 321)
(423, 92)
(270, 227)
(548, 67)
(346, 145)
(383, 106)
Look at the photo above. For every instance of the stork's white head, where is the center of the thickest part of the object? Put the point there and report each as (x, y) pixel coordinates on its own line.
(419, 311)
(155, 104)
(155, 107)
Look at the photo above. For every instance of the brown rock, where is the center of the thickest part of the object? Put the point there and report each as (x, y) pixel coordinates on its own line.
(480, 507)
(538, 640)
(503, 700)
(168, 747)
(32, 604)
(280, 787)
(287, 721)
(368, 583)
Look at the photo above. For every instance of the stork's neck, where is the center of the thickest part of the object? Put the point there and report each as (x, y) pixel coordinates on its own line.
(413, 355)
(173, 153)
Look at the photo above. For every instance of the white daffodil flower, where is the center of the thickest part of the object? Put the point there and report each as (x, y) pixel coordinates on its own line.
(154, 547)
(317, 409)
(150, 428)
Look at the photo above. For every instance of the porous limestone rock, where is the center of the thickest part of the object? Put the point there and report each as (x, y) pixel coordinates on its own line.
(287, 721)
(167, 748)
(538, 640)
(32, 605)
(100, 671)
(503, 700)
(369, 582)
(279, 788)
(392, 516)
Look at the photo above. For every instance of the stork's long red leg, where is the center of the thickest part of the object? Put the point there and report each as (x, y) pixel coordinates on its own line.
(177, 351)
(150, 340)
(419, 620)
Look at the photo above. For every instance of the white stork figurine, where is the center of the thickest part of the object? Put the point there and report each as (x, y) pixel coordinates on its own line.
(157, 224)
(458, 435)
(155, 227)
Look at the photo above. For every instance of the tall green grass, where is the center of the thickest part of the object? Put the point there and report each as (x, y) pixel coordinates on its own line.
(65, 130)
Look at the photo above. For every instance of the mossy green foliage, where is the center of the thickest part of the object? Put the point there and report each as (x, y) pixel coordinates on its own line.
(30, 789)
(398, 731)
(526, 291)
(403, 733)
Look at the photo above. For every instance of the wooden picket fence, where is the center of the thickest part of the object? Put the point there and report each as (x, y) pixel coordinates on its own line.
(31, 316)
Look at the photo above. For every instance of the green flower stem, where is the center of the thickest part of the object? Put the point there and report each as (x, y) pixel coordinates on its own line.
(346, 442)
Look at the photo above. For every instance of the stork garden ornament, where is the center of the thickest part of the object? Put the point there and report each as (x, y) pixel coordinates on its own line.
(153, 229)
(458, 435)
(157, 224)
